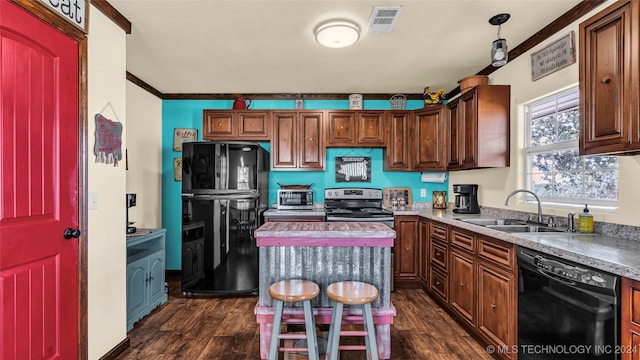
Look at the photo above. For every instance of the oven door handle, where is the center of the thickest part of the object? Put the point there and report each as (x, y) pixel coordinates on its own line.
(556, 278)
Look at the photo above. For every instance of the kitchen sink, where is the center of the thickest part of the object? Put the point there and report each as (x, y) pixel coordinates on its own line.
(491, 221)
(525, 228)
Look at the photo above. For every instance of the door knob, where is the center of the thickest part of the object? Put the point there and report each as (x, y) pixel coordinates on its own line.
(71, 233)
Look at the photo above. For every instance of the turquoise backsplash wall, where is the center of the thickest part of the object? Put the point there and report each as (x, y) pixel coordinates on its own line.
(188, 114)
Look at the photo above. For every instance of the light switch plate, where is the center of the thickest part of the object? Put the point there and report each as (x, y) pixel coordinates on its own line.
(423, 192)
(93, 200)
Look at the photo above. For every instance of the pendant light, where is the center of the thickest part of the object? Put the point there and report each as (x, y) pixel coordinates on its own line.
(499, 51)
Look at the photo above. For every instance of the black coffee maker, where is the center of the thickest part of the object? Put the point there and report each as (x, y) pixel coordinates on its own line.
(466, 200)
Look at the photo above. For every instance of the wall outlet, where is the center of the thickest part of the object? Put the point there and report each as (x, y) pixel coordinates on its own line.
(423, 192)
(93, 200)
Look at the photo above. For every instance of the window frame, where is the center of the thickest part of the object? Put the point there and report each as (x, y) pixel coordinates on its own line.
(529, 151)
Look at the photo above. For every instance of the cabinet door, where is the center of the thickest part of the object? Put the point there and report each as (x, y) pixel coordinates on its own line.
(406, 249)
(630, 322)
(341, 128)
(453, 139)
(218, 125)
(462, 295)
(608, 101)
(284, 140)
(398, 140)
(497, 311)
(370, 128)
(423, 253)
(253, 125)
(468, 125)
(155, 285)
(311, 141)
(137, 295)
(429, 143)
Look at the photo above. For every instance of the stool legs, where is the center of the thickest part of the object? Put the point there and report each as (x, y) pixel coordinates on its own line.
(310, 327)
(275, 333)
(369, 327)
(333, 342)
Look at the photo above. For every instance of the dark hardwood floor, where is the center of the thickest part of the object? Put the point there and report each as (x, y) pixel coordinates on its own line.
(225, 328)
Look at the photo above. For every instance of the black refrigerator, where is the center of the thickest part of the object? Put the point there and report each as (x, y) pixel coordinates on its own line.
(225, 191)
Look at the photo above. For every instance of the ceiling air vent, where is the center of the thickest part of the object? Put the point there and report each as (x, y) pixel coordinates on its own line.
(384, 19)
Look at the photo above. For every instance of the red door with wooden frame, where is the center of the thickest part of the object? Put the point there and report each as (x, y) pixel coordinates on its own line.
(38, 188)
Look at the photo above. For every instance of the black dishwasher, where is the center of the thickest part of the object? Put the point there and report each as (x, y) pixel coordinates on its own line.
(566, 310)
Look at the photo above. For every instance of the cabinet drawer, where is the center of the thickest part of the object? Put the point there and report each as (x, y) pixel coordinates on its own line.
(497, 251)
(463, 239)
(439, 284)
(438, 231)
(438, 253)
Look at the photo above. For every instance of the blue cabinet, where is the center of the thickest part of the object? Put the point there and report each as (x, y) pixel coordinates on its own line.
(145, 274)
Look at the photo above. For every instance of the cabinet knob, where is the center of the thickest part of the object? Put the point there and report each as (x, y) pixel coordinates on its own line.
(461, 284)
(493, 306)
(219, 124)
(606, 80)
(310, 140)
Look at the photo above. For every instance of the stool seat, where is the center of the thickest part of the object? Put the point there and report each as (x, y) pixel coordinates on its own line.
(294, 290)
(352, 292)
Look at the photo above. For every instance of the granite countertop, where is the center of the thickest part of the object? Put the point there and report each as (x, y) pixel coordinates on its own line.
(615, 255)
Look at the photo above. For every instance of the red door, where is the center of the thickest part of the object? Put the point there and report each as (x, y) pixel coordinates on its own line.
(38, 188)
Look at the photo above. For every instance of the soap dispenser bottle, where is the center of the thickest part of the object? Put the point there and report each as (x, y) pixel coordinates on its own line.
(585, 221)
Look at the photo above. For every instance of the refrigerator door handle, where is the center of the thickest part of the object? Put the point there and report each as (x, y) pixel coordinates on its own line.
(241, 196)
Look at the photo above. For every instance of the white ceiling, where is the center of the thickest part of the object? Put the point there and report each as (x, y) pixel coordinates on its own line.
(267, 46)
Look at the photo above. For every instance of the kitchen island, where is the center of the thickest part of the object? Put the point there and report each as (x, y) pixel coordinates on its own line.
(325, 253)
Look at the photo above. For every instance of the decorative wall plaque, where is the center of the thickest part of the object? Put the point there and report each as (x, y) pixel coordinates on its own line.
(183, 135)
(553, 57)
(353, 169)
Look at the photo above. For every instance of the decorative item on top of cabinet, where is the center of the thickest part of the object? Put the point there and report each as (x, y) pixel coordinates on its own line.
(406, 251)
(479, 134)
(355, 128)
(297, 140)
(609, 92)
(630, 318)
(250, 125)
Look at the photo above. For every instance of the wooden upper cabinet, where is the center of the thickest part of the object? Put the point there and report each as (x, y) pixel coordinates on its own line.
(479, 128)
(355, 128)
(609, 94)
(397, 154)
(235, 125)
(297, 141)
(429, 145)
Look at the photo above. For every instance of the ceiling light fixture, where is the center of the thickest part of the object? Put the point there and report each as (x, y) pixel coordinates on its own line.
(337, 33)
(499, 51)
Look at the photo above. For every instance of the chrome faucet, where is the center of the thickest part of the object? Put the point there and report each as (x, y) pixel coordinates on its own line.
(506, 203)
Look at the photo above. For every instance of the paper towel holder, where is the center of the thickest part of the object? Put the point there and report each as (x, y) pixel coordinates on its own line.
(434, 177)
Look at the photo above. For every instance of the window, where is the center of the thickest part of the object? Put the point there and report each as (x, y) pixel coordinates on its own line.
(554, 170)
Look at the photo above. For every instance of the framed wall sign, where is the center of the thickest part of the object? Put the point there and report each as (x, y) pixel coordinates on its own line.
(73, 11)
(177, 169)
(553, 57)
(353, 168)
(183, 135)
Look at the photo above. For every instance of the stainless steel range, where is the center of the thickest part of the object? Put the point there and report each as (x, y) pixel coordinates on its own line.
(356, 204)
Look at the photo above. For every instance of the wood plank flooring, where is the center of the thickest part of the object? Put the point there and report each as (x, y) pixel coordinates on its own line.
(226, 328)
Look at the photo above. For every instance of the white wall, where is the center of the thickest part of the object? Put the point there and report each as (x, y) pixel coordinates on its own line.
(107, 236)
(144, 148)
(496, 184)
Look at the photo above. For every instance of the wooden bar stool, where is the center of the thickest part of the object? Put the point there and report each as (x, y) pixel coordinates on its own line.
(291, 291)
(352, 293)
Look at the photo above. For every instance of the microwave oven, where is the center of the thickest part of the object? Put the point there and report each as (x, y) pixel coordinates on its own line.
(291, 199)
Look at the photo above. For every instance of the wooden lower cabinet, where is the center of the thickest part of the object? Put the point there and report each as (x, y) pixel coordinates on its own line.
(406, 251)
(423, 253)
(497, 310)
(630, 319)
(462, 294)
(475, 278)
